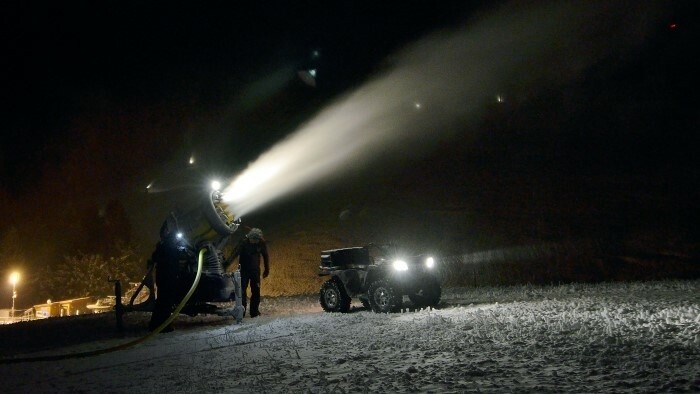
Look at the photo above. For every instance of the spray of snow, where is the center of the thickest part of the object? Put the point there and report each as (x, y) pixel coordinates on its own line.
(435, 88)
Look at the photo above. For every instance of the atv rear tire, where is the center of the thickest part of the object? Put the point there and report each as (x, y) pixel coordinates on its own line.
(427, 295)
(383, 298)
(333, 297)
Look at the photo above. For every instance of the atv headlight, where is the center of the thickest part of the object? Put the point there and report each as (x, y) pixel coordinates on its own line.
(430, 262)
(400, 265)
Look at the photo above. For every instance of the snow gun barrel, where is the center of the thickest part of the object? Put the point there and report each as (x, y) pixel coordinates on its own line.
(210, 221)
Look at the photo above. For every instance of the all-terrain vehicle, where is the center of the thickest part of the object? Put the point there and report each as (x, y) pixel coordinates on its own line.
(379, 277)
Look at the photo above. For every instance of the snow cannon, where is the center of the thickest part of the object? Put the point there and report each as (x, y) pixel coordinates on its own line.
(211, 221)
(206, 228)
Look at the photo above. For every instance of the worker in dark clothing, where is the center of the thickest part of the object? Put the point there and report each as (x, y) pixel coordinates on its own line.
(166, 259)
(249, 250)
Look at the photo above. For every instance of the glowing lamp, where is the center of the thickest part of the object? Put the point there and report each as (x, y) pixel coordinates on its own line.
(400, 265)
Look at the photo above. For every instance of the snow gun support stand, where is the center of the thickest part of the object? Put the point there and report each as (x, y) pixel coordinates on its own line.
(146, 304)
(236, 311)
(118, 306)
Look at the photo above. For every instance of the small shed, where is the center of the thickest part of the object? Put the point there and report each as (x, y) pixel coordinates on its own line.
(76, 306)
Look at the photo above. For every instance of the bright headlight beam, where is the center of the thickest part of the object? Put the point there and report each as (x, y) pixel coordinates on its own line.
(400, 265)
(430, 262)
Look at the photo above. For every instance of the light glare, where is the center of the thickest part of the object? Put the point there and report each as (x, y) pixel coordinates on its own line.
(400, 265)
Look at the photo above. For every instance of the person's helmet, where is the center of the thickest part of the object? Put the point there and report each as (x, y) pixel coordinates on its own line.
(255, 234)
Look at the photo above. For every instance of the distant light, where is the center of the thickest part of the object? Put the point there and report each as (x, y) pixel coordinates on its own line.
(308, 77)
(499, 98)
(215, 185)
(316, 53)
(672, 26)
(417, 105)
(430, 262)
(179, 235)
(191, 159)
(149, 185)
(14, 278)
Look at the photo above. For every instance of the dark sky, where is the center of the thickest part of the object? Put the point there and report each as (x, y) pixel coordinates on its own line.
(101, 100)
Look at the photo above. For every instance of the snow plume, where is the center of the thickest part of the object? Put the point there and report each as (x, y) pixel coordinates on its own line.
(525, 253)
(436, 88)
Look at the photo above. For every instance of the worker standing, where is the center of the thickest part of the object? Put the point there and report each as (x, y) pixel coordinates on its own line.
(249, 250)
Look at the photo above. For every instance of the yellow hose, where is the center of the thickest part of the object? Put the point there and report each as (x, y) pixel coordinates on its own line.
(125, 345)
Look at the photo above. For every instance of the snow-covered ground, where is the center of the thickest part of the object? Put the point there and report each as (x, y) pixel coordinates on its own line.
(612, 337)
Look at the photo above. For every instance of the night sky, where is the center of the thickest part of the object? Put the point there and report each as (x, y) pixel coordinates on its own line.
(593, 135)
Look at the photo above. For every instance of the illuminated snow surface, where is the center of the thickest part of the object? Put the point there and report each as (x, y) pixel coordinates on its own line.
(622, 337)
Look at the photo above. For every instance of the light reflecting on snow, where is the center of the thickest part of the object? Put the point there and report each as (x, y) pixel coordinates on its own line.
(572, 338)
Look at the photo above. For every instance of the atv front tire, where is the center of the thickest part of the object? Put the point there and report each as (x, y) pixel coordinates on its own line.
(383, 298)
(333, 297)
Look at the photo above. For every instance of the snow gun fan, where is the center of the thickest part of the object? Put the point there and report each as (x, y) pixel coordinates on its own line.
(212, 222)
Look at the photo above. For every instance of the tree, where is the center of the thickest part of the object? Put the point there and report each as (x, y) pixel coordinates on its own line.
(86, 275)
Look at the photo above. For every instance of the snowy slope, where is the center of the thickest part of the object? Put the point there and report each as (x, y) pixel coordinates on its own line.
(612, 337)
